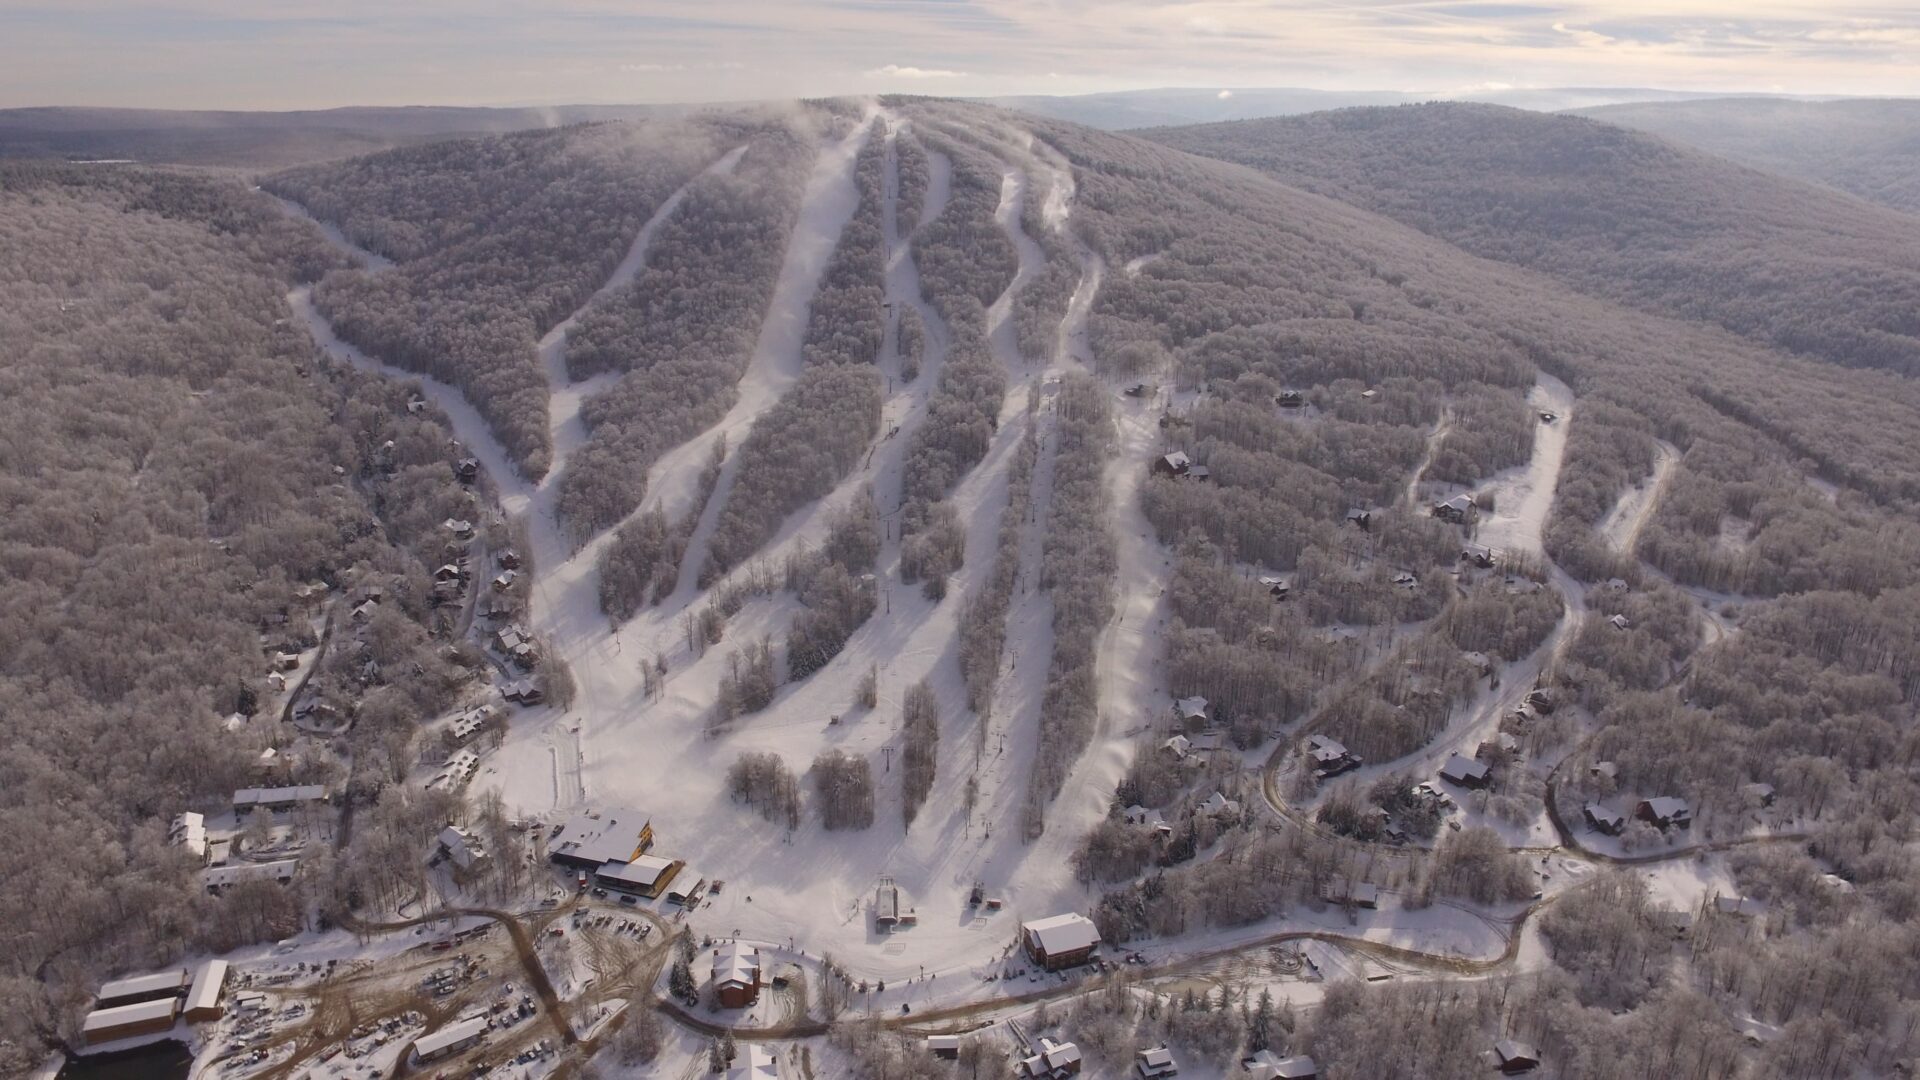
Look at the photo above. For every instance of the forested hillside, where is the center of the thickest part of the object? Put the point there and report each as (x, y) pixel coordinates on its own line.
(1870, 148)
(174, 464)
(1616, 214)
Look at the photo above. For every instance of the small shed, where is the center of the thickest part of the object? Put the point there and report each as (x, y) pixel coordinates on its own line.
(1513, 1057)
(944, 1046)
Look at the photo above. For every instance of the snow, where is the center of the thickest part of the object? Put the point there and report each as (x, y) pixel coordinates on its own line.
(1621, 527)
(1523, 497)
(338, 239)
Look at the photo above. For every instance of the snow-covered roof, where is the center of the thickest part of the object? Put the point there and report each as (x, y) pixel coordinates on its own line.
(1612, 818)
(462, 848)
(755, 1062)
(216, 877)
(1668, 808)
(615, 834)
(1191, 708)
(1458, 769)
(735, 964)
(207, 984)
(140, 1012)
(1325, 749)
(1062, 933)
(1179, 745)
(160, 982)
(1266, 1065)
(451, 1035)
(1218, 803)
(1514, 1050)
(276, 796)
(641, 873)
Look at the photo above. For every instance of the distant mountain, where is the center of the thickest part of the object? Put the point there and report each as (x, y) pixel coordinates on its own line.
(1617, 214)
(268, 139)
(1868, 147)
(1127, 109)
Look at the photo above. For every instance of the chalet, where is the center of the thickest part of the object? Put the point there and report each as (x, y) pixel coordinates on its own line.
(758, 1063)
(1459, 509)
(593, 837)
(1465, 772)
(460, 767)
(189, 830)
(1346, 892)
(1604, 819)
(1604, 770)
(1145, 818)
(1361, 518)
(1758, 794)
(1218, 805)
(449, 573)
(204, 997)
(1483, 557)
(1330, 757)
(1620, 622)
(945, 1047)
(1200, 473)
(283, 661)
(1178, 747)
(1512, 1057)
(505, 580)
(508, 559)
(278, 798)
(1062, 941)
(1266, 1065)
(449, 1040)
(1277, 587)
(365, 611)
(129, 1021)
(1369, 394)
(277, 680)
(467, 470)
(1174, 464)
(279, 871)
(1290, 399)
(468, 724)
(460, 528)
(1155, 1063)
(1051, 1061)
(645, 876)
(1540, 700)
(459, 847)
(1837, 883)
(523, 692)
(1665, 813)
(736, 975)
(138, 988)
(1192, 712)
(416, 404)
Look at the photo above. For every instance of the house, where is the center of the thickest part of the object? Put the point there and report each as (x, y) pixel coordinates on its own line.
(1191, 712)
(1515, 1057)
(1405, 579)
(209, 984)
(1665, 813)
(1603, 819)
(508, 559)
(886, 904)
(129, 1021)
(1218, 804)
(736, 975)
(1061, 941)
(505, 580)
(523, 692)
(283, 661)
(1540, 700)
(593, 837)
(645, 876)
(1361, 518)
(1266, 1065)
(365, 610)
(276, 681)
(1479, 661)
(1604, 770)
(460, 848)
(468, 724)
(1174, 464)
(944, 1046)
(1290, 399)
(1051, 1061)
(278, 798)
(461, 528)
(138, 988)
(1738, 906)
(1346, 892)
(757, 1064)
(1758, 794)
(279, 871)
(189, 830)
(449, 1040)
(1179, 746)
(1620, 622)
(416, 404)
(1466, 772)
(1483, 557)
(1277, 587)
(449, 573)
(459, 769)
(1459, 509)
(1155, 1062)
(467, 470)
(1151, 819)
(1200, 473)
(1330, 757)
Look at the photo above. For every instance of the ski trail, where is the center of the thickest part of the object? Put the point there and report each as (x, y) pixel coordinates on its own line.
(566, 396)
(1523, 497)
(1622, 524)
(1072, 344)
(1441, 427)
(831, 198)
(1001, 333)
(373, 263)
(939, 186)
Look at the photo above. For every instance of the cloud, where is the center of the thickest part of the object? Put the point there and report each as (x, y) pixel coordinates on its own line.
(897, 71)
(652, 67)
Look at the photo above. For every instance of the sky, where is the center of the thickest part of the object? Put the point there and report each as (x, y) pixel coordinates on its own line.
(268, 54)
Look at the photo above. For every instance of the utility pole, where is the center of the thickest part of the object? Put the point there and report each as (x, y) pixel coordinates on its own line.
(888, 751)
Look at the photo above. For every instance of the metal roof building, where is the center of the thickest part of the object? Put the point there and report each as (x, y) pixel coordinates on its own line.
(142, 988)
(450, 1039)
(128, 1021)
